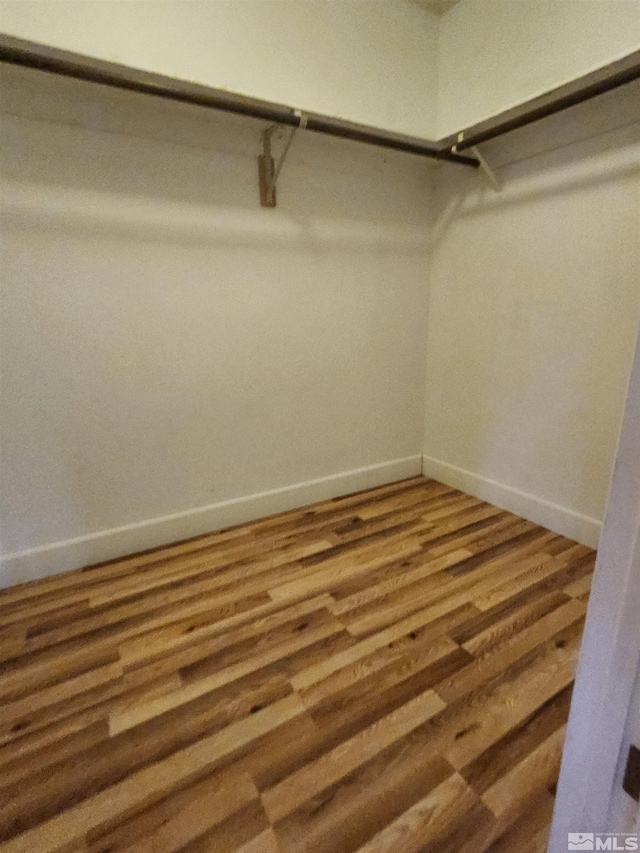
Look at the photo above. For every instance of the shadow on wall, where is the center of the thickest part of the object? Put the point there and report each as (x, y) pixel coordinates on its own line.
(533, 312)
(572, 168)
(120, 150)
(171, 345)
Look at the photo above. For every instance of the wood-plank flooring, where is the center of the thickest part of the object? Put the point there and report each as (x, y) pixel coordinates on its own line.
(387, 672)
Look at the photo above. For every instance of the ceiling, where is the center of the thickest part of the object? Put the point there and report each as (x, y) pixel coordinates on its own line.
(437, 6)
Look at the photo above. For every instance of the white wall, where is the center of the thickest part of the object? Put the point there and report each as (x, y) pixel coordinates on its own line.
(175, 358)
(169, 347)
(369, 61)
(387, 63)
(534, 306)
(496, 54)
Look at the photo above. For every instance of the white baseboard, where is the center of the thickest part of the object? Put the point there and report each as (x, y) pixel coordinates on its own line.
(69, 554)
(582, 528)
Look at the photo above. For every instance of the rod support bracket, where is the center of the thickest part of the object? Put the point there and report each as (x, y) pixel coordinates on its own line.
(486, 168)
(268, 169)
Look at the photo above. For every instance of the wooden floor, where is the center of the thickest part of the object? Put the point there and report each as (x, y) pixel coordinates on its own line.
(388, 672)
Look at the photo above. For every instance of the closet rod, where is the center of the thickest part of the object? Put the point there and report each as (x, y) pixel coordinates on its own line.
(20, 52)
(609, 77)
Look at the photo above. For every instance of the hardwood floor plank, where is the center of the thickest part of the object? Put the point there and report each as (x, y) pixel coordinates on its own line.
(517, 612)
(492, 530)
(369, 699)
(244, 824)
(426, 822)
(415, 569)
(468, 831)
(347, 814)
(544, 675)
(536, 772)
(16, 714)
(499, 658)
(503, 756)
(313, 778)
(385, 671)
(528, 835)
(415, 650)
(197, 814)
(145, 786)
(134, 716)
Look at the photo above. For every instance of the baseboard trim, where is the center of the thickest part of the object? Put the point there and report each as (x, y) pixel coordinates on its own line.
(69, 554)
(582, 528)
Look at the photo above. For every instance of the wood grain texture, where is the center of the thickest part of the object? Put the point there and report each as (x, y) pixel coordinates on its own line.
(387, 671)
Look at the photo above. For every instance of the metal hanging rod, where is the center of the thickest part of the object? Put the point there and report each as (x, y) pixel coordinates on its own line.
(609, 77)
(20, 52)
